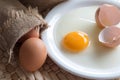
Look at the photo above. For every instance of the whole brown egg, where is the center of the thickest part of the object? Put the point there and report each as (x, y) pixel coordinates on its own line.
(32, 54)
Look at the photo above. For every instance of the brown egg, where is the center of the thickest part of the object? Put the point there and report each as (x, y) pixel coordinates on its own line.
(33, 33)
(107, 15)
(32, 54)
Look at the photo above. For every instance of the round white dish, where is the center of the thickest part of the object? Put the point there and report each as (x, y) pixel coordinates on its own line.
(106, 67)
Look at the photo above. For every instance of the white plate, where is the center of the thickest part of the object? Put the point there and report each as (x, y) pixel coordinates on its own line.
(106, 67)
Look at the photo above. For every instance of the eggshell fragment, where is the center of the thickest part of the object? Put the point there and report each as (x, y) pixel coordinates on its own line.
(107, 15)
(32, 54)
(110, 36)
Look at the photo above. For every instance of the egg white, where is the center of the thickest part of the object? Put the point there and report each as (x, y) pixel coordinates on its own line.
(95, 55)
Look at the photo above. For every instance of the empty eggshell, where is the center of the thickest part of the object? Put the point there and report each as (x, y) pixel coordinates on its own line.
(110, 36)
(107, 15)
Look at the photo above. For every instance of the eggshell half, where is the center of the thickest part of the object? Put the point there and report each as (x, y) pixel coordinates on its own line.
(110, 36)
(107, 15)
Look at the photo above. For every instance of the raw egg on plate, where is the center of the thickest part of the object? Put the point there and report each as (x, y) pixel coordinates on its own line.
(75, 41)
(94, 58)
(94, 55)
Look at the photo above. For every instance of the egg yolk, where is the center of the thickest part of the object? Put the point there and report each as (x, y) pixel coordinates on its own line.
(75, 41)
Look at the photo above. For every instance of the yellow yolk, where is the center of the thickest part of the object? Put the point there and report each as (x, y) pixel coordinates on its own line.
(75, 41)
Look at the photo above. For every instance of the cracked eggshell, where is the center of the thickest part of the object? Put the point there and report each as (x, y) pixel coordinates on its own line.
(110, 36)
(107, 15)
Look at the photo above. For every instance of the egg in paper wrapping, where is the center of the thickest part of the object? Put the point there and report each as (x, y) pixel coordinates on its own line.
(32, 33)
